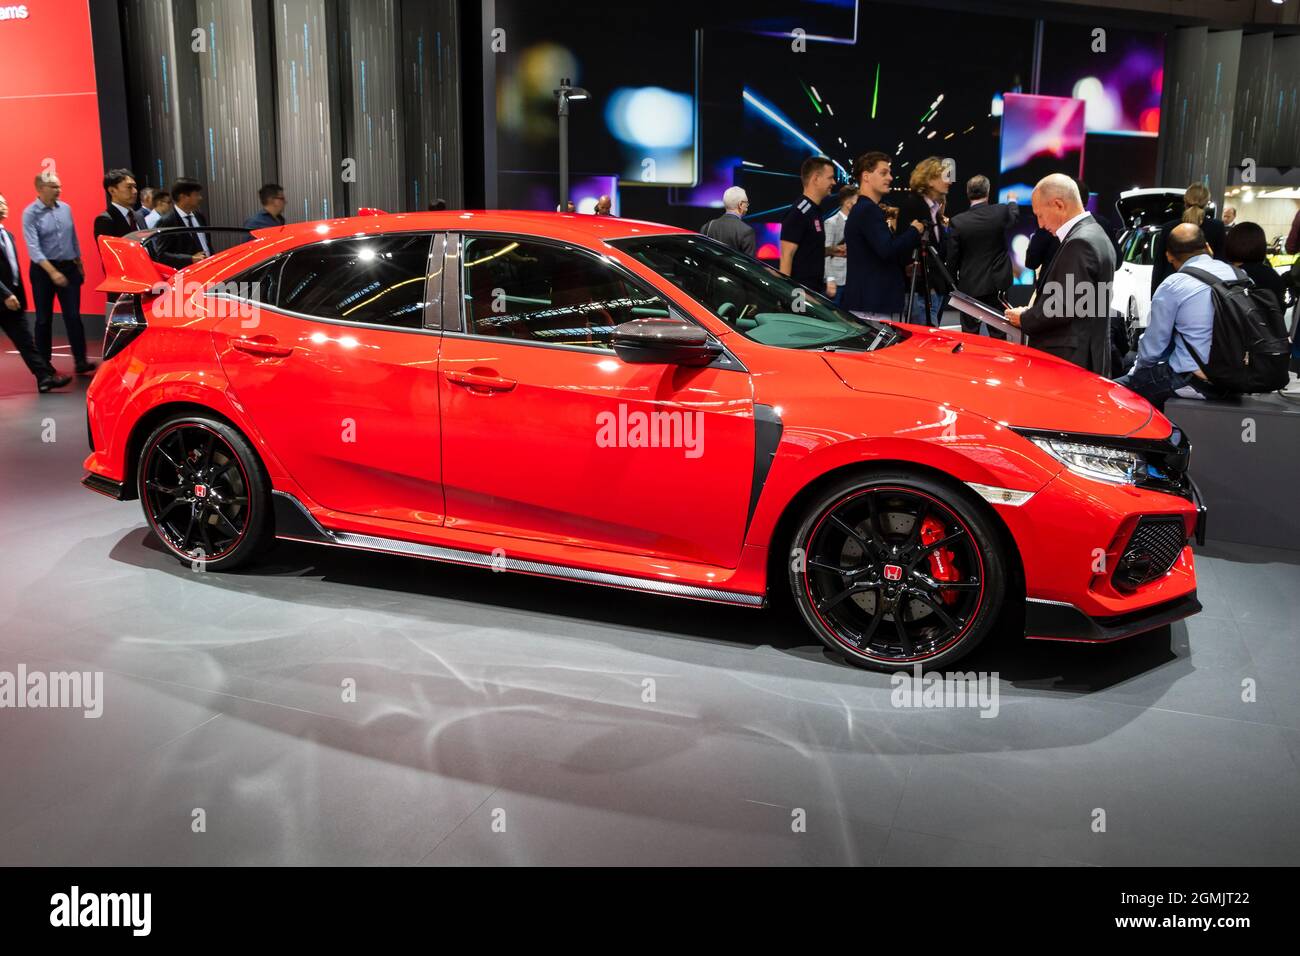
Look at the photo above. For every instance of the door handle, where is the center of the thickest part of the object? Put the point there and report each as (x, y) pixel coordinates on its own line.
(476, 381)
(263, 346)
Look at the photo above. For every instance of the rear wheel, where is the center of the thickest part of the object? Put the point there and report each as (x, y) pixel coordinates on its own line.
(204, 492)
(897, 568)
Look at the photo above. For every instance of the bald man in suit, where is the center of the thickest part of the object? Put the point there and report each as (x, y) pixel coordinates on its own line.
(1070, 318)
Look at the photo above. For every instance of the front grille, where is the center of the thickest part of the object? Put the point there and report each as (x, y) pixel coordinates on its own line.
(1151, 551)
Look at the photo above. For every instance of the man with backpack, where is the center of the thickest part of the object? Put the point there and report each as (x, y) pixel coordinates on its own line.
(1212, 333)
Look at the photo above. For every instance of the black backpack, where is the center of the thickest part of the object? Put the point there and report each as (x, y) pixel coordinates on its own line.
(1249, 348)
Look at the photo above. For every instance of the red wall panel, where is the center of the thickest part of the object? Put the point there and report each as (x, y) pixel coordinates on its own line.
(49, 111)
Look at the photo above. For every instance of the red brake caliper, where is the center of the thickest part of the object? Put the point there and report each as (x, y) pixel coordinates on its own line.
(941, 567)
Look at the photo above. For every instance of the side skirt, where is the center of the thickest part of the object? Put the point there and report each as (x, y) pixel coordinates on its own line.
(293, 522)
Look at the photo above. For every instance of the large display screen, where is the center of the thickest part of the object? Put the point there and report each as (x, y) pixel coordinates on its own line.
(639, 123)
(1040, 135)
(1118, 73)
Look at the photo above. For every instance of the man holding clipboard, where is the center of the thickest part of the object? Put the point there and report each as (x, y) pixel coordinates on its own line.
(1071, 317)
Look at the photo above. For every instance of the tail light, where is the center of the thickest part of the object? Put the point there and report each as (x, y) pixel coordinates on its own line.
(125, 322)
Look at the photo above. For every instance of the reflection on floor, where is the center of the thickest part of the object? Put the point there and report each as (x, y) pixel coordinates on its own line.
(503, 719)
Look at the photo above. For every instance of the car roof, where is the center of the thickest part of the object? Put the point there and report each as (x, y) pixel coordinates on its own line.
(576, 227)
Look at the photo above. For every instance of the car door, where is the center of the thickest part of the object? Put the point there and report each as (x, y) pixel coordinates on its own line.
(334, 359)
(548, 435)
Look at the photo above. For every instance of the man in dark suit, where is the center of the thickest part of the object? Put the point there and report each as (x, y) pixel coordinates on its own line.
(13, 311)
(118, 219)
(873, 282)
(977, 250)
(146, 207)
(730, 228)
(184, 248)
(1071, 318)
(271, 196)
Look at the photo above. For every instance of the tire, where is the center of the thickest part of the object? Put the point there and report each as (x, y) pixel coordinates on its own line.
(897, 568)
(204, 492)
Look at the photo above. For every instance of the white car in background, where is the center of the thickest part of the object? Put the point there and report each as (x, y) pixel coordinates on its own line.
(1142, 212)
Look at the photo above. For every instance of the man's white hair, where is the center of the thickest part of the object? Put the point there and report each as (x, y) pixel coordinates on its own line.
(733, 197)
(1059, 186)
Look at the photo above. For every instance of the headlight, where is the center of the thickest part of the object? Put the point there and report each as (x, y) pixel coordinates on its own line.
(1115, 465)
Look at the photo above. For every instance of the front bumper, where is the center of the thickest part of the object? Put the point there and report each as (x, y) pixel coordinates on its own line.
(1059, 621)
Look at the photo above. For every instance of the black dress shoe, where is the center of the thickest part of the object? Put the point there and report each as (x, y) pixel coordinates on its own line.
(87, 369)
(58, 381)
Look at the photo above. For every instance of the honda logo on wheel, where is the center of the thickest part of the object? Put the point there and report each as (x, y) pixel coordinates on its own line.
(893, 572)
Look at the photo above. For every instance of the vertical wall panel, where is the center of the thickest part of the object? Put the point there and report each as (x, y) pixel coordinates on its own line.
(1184, 70)
(308, 108)
(187, 94)
(289, 89)
(1250, 135)
(1285, 106)
(431, 98)
(372, 139)
(232, 121)
(151, 88)
(1214, 126)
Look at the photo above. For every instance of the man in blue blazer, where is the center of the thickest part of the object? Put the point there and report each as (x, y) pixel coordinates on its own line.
(875, 256)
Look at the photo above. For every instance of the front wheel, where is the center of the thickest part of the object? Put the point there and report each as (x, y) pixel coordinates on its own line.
(896, 569)
(204, 492)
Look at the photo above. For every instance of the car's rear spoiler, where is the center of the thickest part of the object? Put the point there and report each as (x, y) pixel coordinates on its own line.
(128, 267)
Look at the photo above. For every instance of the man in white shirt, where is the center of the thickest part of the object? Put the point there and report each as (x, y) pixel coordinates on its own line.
(836, 250)
(162, 205)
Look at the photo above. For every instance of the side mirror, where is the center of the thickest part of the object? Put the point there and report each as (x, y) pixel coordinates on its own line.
(664, 342)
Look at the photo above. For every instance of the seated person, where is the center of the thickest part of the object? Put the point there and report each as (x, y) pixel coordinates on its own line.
(1246, 247)
(1182, 314)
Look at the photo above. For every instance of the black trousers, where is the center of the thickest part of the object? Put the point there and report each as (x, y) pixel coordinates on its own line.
(44, 292)
(973, 325)
(14, 325)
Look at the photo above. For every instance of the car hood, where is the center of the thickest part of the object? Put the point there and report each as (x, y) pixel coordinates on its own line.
(1010, 384)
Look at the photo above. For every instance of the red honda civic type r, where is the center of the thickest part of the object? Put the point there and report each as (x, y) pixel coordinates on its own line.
(633, 405)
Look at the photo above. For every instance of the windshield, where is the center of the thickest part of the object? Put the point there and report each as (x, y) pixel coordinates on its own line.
(1139, 251)
(754, 299)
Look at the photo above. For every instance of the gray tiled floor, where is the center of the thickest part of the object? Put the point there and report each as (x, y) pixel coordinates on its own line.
(502, 719)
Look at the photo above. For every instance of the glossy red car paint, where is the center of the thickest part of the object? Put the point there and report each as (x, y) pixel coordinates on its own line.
(475, 443)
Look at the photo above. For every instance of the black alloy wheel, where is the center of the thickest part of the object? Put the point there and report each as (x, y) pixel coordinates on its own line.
(897, 569)
(204, 492)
